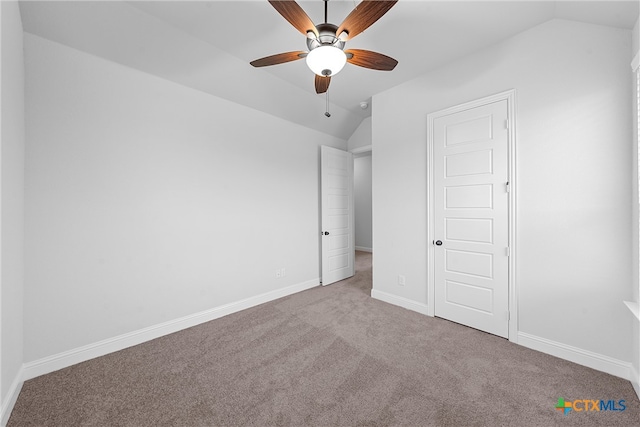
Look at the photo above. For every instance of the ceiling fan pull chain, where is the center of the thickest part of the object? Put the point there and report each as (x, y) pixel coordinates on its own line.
(326, 113)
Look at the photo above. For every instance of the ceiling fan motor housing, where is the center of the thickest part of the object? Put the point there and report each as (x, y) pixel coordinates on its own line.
(326, 36)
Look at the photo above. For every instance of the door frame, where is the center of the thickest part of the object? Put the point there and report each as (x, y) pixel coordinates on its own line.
(510, 97)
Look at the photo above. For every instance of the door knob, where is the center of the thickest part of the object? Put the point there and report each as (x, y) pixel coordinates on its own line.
(438, 242)
(326, 233)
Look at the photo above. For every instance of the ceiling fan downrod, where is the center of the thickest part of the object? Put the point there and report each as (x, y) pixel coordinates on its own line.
(326, 4)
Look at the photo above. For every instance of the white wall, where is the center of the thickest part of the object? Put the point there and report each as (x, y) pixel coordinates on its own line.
(362, 201)
(361, 136)
(147, 201)
(635, 251)
(11, 205)
(635, 37)
(573, 189)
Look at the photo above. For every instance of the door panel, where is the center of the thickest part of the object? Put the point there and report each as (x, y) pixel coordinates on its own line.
(471, 163)
(471, 230)
(338, 246)
(471, 217)
(478, 264)
(469, 196)
(470, 130)
(469, 296)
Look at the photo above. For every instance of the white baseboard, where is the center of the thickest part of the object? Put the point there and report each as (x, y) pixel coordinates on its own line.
(635, 380)
(87, 352)
(364, 249)
(11, 398)
(577, 355)
(400, 301)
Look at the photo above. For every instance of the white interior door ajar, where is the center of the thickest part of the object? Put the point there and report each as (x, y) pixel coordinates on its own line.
(337, 230)
(471, 217)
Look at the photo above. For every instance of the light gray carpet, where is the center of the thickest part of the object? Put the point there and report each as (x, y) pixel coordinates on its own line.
(326, 356)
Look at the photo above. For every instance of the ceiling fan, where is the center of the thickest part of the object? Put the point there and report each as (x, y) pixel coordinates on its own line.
(326, 55)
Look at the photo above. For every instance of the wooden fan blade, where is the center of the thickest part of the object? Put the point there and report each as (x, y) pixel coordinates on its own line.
(363, 16)
(292, 12)
(322, 83)
(369, 59)
(280, 58)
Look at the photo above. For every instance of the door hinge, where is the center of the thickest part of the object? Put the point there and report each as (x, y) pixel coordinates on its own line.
(508, 250)
(508, 315)
(507, 187)
(506, 124)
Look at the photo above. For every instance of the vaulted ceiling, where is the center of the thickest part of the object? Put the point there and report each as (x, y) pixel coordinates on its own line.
(207, 45)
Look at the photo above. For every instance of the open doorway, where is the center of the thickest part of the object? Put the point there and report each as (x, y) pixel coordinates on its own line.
(362, 186)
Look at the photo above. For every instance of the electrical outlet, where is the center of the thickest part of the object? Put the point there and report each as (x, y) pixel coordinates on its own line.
(401, 280)
(278, 274)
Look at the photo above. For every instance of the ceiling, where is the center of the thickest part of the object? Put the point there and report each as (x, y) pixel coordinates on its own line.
(207, 45)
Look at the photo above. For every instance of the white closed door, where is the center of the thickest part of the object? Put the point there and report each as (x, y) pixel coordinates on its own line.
(337, 229)
(472, 218)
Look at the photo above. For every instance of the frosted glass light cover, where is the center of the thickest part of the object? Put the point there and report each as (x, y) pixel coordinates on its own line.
(326, 58)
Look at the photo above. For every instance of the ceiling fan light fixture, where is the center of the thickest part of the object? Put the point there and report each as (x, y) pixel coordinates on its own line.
(326, 60)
